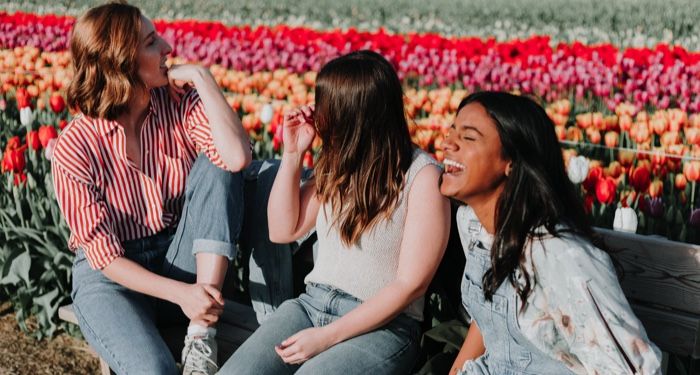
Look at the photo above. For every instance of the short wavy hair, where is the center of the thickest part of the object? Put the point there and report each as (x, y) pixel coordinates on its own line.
(104, 49)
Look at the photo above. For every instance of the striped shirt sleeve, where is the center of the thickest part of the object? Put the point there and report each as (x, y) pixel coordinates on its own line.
(198, 128)
(85, 213)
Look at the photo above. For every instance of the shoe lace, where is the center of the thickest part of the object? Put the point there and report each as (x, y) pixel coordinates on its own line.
(198, 356)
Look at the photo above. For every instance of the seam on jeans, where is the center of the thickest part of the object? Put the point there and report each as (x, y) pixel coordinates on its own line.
(183, 222)
(98, 339)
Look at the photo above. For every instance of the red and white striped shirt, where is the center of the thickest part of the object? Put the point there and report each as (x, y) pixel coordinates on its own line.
(105, 198)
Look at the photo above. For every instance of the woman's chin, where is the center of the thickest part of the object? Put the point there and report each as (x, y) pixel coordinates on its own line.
(449, 185)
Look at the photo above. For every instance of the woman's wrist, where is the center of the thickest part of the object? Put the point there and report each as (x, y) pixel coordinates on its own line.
(293, 157)
(201, 76)
(173, 290)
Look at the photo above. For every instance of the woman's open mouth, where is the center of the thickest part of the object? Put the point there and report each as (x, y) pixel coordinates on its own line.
(452, 167)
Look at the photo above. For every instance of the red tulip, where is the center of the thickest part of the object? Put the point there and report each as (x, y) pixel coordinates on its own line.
(588, 203)
(57, 103)
(20, 178)
(33, 140)
(308, 160)
(605, 190)
(22, 97)
(594, 174)
(640, 178)
(14, 160)
(47, 133)
(13, 143)
(62, 124)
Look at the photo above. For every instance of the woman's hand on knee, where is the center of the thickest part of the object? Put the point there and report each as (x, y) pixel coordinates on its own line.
(201, 302)
(304, 345)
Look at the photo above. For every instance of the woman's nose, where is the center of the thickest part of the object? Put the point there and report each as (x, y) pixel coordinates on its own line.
(448, 143)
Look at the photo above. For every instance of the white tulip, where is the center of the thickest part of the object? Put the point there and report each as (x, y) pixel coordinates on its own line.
(48, 151)
(578, 169)
(625, 220)
(26, 116)
(266, 113)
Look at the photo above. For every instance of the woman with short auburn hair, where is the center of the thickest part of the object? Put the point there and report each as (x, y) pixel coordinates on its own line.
(146, 178)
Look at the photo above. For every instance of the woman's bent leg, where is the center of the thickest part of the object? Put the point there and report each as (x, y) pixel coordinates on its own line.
(118, 323)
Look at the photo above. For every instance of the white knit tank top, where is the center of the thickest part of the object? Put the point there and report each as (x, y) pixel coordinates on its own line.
(363, 269)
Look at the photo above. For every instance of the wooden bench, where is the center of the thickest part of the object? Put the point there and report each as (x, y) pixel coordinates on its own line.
(661, 281)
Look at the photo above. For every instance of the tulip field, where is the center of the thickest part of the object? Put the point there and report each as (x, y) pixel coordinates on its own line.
(628, 117)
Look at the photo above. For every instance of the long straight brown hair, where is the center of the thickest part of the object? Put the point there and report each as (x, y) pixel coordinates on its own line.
(367, 147)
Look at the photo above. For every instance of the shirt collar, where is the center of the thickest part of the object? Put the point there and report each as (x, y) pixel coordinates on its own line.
(106, 127)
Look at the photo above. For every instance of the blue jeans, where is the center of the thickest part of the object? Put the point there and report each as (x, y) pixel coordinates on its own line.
(122, 325)
(391, 349)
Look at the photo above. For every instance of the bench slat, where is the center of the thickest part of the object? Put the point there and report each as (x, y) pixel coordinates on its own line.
(657, 271)
(672, 332)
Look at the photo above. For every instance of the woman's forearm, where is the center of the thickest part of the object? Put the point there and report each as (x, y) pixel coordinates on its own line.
(472, 348)
(133, 276)
(375, 312)
(230, 139)
(283, 204)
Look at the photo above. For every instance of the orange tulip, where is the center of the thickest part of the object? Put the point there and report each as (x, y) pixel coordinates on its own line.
(658, 156)
(612, 139)
(670, 138)
(656, 188)
(692, 136)
(680, 182)
(625, 122)
(574, 134)
(597, 121)
(694, 120)
(584, 120)
(626, 158)
(614, 170)
(641, 135)
(611, 122)
(691, 170)
(561, 132)
(593, 135)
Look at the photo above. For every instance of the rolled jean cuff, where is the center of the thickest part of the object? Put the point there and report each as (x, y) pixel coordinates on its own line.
(226, 249)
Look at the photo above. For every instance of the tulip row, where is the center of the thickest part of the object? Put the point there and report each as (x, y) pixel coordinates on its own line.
(615, 22)
(662, 76)
(621, 170)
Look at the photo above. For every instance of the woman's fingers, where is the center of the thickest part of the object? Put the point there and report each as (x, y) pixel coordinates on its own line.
(215, 294)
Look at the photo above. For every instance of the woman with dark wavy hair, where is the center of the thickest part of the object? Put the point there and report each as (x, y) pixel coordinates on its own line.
(153, 224)
(543, 298)
(382, 227)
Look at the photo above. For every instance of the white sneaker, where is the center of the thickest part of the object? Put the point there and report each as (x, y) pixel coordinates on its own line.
(199, 355)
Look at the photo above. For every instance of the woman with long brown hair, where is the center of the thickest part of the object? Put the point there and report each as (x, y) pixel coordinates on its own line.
(153, 224)
(382, 227)
(543, 299)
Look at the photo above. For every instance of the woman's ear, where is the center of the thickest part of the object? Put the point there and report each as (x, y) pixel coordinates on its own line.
(509, 167)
